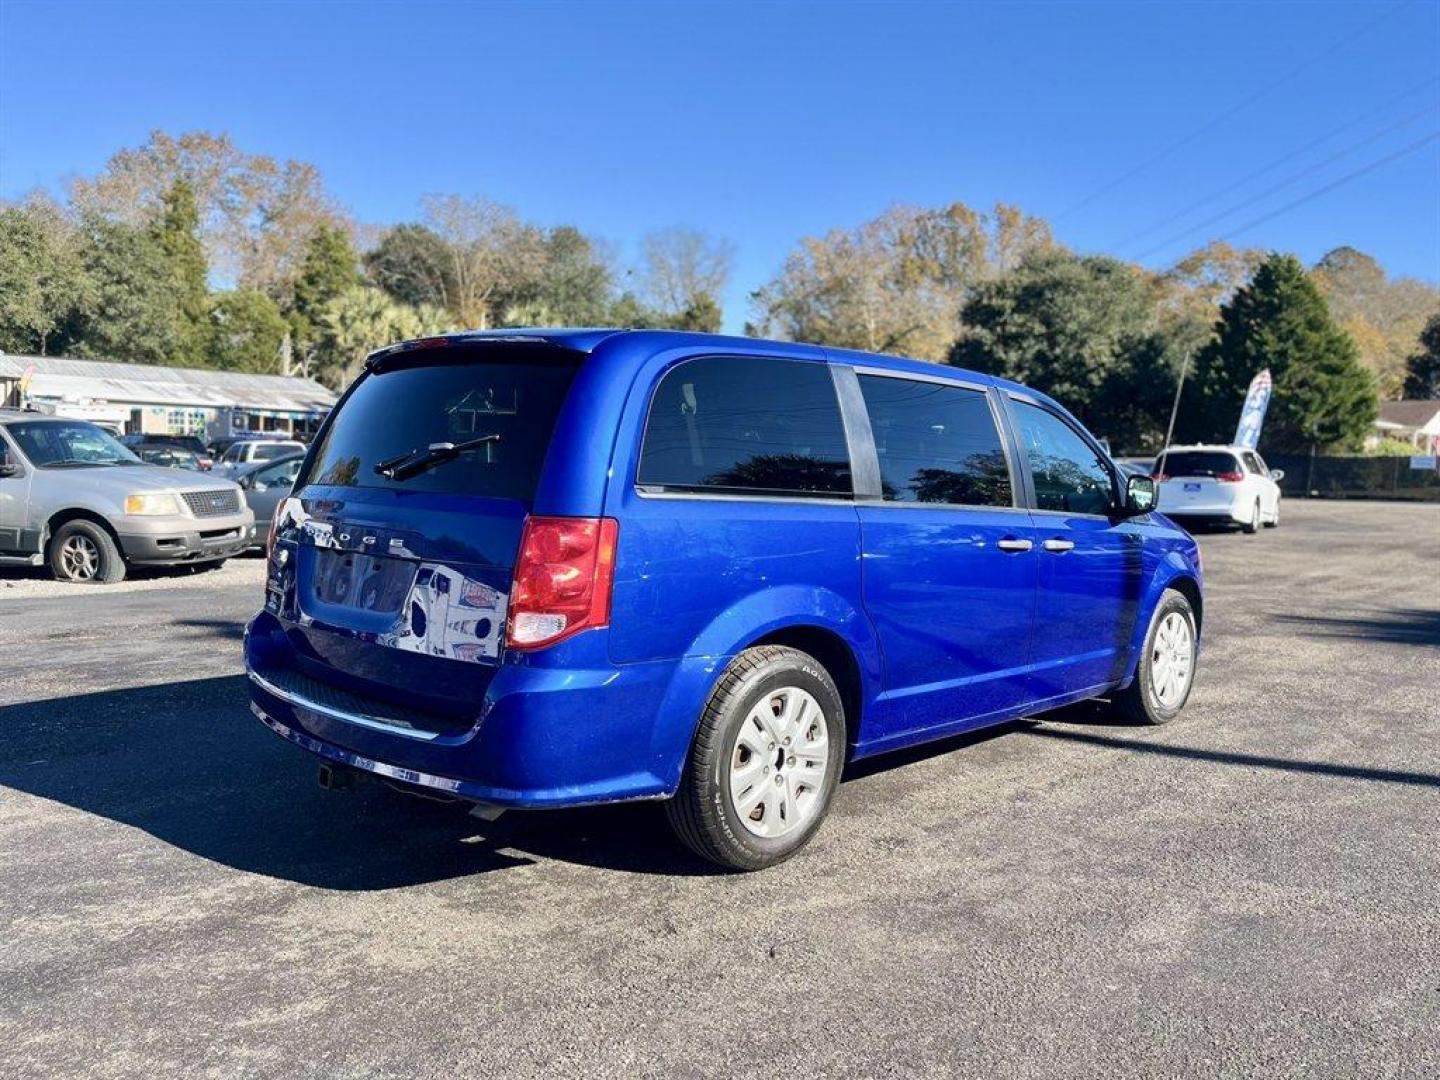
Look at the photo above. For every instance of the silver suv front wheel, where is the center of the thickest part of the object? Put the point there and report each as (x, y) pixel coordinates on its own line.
(83, 552)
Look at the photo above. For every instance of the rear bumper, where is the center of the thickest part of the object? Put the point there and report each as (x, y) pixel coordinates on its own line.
(542, 737)
(202, 540)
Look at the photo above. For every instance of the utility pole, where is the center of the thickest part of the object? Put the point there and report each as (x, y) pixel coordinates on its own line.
(1175, 408)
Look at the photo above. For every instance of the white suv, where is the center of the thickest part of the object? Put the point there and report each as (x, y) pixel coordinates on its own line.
(1218, 484)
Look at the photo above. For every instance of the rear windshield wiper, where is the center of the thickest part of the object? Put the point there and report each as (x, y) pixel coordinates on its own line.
(417, 461)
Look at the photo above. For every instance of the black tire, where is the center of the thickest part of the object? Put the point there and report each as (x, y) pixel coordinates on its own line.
(1252, 526)
(83, 553)
(702, 812)
(1139, 703)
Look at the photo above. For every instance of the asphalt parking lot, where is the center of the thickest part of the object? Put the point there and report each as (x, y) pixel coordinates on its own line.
(1253, 890)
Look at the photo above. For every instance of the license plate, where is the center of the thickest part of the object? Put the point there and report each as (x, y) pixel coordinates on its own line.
(363, 582)
(1192, 487)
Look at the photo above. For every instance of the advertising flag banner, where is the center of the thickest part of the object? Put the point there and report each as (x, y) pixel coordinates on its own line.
(1252, 416)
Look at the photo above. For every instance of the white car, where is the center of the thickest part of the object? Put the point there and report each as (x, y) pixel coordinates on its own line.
(1218, 484)
(250, 451)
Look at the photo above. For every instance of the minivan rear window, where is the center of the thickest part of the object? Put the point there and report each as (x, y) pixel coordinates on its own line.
(449, 396)
(1196, 463)
(746, 424)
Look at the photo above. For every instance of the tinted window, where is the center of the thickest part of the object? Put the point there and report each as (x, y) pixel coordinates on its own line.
(1196, 463)
(271, 451)
(512, 394)
(936, 444)
(1068, 475)
(747, 424)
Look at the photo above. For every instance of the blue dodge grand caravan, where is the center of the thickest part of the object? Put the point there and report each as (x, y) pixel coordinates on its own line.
(550, 568)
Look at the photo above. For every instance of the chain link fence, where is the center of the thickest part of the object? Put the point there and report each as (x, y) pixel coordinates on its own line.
(1355, 478)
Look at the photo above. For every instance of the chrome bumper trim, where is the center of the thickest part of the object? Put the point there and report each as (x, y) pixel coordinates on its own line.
(358, 719)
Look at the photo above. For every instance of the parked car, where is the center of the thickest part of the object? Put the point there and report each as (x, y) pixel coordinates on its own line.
(265, 483)
(249, 451)
(1219, 484)
(189, 443)
(219, 445)
(549, 568)
(73, 496)
(170, 457)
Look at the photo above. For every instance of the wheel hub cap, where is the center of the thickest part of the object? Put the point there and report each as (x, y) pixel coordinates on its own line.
(778, 762)
(1172, 659)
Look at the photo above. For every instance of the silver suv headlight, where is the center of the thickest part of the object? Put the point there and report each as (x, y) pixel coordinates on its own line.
(153, 504)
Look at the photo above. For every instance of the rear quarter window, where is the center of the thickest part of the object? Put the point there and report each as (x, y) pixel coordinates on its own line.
(746, 424)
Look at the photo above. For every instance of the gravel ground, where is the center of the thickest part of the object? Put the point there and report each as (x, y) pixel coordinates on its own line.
(1250, 891)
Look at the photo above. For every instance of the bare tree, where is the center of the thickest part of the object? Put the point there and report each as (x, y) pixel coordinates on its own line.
(255, 212)
(896, 282)
(491, 253)
(682, 265)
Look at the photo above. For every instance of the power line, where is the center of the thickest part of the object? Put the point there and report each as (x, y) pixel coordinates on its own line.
(1294, 178)
(1299, 151)
(1263, 218)
(1204, 129)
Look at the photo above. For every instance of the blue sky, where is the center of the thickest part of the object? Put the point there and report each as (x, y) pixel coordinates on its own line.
(767, 122)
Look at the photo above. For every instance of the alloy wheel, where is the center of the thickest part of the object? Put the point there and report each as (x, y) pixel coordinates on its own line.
(778, 762)
(79, 558)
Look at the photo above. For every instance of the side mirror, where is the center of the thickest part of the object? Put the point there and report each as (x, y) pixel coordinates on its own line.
(1139, 495)
(1277, 475)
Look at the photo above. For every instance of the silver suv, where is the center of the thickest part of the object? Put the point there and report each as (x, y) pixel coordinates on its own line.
(73, 496)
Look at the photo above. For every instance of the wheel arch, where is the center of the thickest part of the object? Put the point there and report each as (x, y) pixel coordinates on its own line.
(1187, 586)
(61, 518)
(836, 656)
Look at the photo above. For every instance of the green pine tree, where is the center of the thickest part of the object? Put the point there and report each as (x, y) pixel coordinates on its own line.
(330, 269)
(1322, 395)
(1422, 369)
(177, 233)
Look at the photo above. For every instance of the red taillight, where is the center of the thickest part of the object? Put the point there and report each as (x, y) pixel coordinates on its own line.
(1230, 477)
(562, 579)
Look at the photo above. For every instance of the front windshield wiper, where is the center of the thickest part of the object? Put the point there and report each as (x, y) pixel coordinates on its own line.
(78, 463)
(417, 461)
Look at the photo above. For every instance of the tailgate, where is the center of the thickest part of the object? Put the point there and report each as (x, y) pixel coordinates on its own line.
(398, 598)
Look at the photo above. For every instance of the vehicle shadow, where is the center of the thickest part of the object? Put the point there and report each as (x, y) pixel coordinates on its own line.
(1401, 626)
(188, 764)
(226, 629)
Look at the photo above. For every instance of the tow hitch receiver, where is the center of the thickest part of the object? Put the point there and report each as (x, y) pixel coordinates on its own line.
(335, 779)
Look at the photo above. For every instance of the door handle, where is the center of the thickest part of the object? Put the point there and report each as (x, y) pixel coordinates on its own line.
(1058, 545)
(1014, 545)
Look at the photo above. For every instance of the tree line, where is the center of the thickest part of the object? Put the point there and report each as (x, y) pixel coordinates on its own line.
(127, 268)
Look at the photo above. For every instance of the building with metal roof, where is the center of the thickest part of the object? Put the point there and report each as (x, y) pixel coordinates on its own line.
(149, 398)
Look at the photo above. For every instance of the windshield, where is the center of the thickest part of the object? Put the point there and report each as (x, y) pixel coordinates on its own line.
(71, 443)
(1196, 463)
(487, 391)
